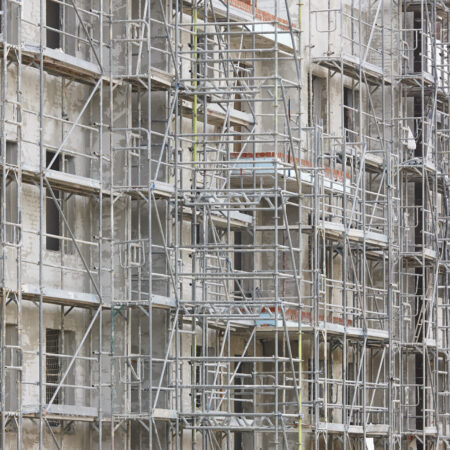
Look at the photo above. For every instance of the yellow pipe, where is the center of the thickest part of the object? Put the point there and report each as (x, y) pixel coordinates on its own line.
(300, 4)
(300, 390)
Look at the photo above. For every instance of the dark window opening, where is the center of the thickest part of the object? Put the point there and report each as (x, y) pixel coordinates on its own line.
(197, 230)
(49, 158)
(52, 364)
(350, 125)
(348, 104)
(53, 18)
(57, 344)
(239, 369)
(52, 217)
(419, 43)
(198, 378)
(238, 263)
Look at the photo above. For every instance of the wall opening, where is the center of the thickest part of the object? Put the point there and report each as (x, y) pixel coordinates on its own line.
(52, 364)
(198, 377)
(351, 99)
(53, 22)
(58, 343)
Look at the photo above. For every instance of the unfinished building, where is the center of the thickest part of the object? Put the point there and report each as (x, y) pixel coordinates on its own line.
(225, 224)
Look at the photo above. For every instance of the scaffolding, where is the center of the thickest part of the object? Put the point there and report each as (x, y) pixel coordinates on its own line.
(225, 224)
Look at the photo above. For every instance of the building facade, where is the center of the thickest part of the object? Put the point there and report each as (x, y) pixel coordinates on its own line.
(225, 224)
